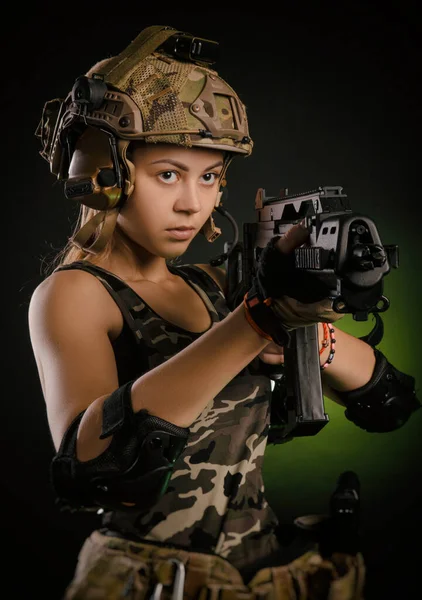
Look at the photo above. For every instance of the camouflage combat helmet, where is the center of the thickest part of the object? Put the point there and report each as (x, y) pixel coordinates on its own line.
(159, 89)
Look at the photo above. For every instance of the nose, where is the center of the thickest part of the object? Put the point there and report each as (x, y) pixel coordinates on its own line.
(188, 197)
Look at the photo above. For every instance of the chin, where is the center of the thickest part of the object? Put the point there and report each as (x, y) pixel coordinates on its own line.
(174, 254)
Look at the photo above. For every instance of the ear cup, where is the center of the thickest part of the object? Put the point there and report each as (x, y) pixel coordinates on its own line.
(94, 172)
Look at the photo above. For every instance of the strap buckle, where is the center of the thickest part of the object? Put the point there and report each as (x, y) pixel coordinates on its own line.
(178, 582)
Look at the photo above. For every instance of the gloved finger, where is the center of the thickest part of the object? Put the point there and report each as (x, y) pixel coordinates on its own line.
(324, 310)
(298, 314)
(293, 238)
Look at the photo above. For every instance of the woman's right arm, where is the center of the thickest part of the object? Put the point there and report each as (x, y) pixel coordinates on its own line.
(69, 322)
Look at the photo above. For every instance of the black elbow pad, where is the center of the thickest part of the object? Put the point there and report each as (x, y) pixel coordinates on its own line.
(132, 473)
(385, 403)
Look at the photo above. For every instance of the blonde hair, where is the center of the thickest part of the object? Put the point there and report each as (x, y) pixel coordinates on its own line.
(71, 253)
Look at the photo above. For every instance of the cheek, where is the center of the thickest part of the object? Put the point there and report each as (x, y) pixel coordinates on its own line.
(129, 212)
(140, 215)
(134, 205)
(209, 199)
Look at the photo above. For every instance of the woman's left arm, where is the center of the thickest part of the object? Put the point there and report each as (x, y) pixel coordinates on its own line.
(377, 396)
(352, 366)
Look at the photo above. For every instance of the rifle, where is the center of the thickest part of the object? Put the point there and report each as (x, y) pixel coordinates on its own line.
(344, 250)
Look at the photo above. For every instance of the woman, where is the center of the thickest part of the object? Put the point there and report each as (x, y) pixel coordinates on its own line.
(156, 405)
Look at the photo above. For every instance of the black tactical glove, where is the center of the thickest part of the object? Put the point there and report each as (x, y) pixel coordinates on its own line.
(283, 298)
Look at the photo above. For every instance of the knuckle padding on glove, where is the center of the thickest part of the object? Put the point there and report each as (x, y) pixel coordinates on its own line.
(277, 276)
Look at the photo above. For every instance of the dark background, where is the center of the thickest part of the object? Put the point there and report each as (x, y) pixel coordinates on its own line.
(333, 99)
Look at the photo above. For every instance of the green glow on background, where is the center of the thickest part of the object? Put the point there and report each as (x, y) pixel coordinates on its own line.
(301, 474)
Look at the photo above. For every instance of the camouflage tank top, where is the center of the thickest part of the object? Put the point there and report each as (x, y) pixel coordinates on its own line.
(215, 499)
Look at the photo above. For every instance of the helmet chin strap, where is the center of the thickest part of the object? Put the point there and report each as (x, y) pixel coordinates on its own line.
(107, 220)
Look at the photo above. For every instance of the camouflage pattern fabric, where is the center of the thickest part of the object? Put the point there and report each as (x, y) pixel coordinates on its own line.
(214, 515)
(173, 95)
(114, 568)
(215, 500)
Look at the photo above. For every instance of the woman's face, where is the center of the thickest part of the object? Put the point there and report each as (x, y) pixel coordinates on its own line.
(174, 187)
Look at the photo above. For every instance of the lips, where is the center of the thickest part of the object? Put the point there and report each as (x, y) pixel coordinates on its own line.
(180, 228)
(181, 234)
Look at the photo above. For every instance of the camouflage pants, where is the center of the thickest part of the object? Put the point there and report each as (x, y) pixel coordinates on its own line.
(110, 568)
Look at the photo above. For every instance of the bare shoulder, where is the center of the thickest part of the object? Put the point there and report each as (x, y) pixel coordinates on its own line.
(217, 273)
(71, 295)
(66, 289)
(70, 316)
